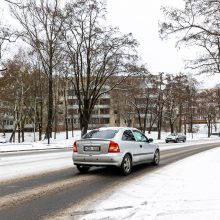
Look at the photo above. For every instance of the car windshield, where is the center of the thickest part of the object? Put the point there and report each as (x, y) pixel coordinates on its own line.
(102, 134)
(173, 134)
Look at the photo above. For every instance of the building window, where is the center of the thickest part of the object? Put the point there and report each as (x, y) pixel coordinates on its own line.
(104, 121)
(71, 92)
(104, 101)
(104, 111)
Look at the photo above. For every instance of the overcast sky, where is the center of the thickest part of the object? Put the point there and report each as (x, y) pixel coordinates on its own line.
(141, 18)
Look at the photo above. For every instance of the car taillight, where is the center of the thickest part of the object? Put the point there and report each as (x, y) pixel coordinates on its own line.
(74, 147)
(113, 147)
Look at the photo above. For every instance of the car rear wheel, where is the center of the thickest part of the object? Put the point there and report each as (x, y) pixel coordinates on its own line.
(126, 165)
(184, 140)
(82, 169)
(177, 140)
(156, 159)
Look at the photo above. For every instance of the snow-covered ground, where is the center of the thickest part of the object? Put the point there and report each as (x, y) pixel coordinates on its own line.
(62, 142)
(26, 165)
(22, 165)
(188, 189)
(30, 144)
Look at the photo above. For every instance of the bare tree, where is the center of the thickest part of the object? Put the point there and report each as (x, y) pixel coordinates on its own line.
(42, 26)
(96, 53)
(176, 97)
(210, 108)
(6, 36)
(197, 24)
(15, 87)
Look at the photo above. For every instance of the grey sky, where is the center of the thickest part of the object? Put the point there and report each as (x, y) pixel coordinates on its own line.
(141, 18)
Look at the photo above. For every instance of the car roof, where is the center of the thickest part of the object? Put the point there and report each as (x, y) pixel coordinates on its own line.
(117, 128)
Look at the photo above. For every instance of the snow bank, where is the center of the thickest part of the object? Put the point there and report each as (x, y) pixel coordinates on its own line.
(59, 142)
(188, 189)
(62, 142)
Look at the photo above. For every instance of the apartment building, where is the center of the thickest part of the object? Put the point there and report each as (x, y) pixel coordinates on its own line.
(101, 115)
(117, 107)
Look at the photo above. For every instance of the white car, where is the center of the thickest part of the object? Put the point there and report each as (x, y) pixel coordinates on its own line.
(114, 146)
(2, 139)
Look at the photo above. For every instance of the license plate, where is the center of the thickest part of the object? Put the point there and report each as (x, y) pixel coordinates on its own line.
(91, 148)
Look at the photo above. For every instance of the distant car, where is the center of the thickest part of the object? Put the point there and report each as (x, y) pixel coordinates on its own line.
(175, 137)
(2, 139)
(114, 146)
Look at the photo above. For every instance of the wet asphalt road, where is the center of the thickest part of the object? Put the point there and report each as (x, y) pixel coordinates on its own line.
(45, 196)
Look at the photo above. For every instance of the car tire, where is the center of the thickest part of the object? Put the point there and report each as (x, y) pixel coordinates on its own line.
(167, 141)
(177, 140)
(126, 165)
(184, 140)
(82, 169)
(156, 159)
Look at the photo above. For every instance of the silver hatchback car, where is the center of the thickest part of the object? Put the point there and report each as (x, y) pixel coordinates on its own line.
(114, 146)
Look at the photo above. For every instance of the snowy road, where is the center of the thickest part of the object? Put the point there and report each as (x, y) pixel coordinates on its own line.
(59, 191)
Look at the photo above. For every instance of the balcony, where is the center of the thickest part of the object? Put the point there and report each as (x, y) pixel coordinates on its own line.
(72, 107)
(101, 116)
(101, 106)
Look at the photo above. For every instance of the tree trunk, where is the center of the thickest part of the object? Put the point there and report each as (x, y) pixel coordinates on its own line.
(13, 133)
(72, 127)
(40, 124)
(159, 124)
(50, 107)
(209, 126)
(85, 117)
(66, 113)
(180, 119)
(159, 130)
(171, 126)
(56, 101)
(84, 128)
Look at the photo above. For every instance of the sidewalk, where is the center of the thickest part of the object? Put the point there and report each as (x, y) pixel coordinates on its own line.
(188, 189)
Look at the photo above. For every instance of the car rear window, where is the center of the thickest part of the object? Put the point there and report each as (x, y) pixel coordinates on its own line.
(102, 134)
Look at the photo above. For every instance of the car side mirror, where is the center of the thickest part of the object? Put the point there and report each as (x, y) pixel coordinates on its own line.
(150, 140)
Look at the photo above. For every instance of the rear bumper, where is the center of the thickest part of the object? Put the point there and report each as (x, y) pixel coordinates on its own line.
(169, 139)
(111, 159)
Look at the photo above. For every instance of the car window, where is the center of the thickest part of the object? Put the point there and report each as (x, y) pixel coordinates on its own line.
(173, 134)
(139, 136)
(102, 134)
(128, 136)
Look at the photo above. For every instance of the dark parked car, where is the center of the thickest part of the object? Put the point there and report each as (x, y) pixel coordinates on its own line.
(175, 137)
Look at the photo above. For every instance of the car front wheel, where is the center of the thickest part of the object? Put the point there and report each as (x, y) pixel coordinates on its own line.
(126, 165)
(82, 169)
(156, 159)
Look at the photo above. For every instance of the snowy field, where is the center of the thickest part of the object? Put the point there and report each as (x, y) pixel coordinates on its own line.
(188, 189)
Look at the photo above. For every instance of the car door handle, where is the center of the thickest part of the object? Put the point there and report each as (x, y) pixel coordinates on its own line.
(140, 145)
